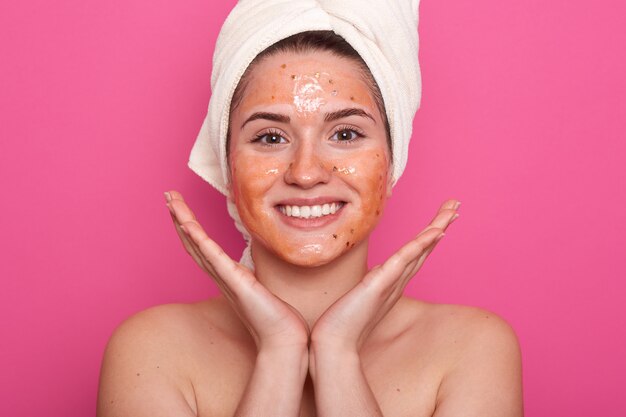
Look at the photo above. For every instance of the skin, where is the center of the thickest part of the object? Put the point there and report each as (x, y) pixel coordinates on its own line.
(309, 160)
(333, 337)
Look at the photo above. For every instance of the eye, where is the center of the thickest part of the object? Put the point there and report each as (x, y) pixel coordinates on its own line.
(270, 138)
(346, 134)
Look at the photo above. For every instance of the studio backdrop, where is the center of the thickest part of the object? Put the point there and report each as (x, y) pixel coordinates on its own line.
(522, 120)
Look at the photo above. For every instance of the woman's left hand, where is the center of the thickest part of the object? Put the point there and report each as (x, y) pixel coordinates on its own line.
(348, 322)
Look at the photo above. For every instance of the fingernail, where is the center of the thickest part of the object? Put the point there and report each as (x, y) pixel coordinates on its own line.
(438, 238)
(184, 229)
(457, 205)
(453, 218)
(168, 197)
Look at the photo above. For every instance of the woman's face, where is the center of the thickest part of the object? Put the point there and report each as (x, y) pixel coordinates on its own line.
(309, 160)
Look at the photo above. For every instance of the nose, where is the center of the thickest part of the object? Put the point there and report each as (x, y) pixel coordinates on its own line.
(307, 169)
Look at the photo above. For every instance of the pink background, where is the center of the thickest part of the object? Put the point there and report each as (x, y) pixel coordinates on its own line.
(522, 119)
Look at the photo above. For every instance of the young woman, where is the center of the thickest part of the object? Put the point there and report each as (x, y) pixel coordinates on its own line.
(307, 329)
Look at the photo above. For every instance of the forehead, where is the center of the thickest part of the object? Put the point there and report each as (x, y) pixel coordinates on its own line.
(278, 78)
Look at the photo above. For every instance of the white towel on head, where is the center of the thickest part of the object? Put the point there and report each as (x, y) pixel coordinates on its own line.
(383, 32)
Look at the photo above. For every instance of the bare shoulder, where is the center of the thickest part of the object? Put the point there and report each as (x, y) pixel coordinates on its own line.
(461, 325)
(482, 360)
(466, 323)
(147, 358)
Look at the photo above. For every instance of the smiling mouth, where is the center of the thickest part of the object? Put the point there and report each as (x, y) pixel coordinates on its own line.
(310, 212)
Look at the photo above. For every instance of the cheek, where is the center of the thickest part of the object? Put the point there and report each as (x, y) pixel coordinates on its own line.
(252, 177)
(374, 183)
(366, 173)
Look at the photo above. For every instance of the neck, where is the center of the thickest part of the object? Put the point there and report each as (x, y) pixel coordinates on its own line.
(310, 290)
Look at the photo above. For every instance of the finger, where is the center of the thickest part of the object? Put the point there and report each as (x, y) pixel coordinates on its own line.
(204, 263)
(444, 217)
(450, 204)
(414, 266)
(391, 278)
(229, 271)
(416, 247)
(448, 209)
(410, 254)
(397, 286)
(175, 195)
(181, 210)
(180, 213)
(188, 243)
(190, 247)
(393, 271)
(407, 261)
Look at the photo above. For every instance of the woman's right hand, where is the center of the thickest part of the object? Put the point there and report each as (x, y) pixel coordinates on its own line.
(273, 323)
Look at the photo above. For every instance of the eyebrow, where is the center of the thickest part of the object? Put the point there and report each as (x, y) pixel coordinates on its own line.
(329, 117)
(275, 117)
(340, 114)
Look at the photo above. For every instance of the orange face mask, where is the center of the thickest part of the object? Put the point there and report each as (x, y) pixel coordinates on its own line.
(309, 160)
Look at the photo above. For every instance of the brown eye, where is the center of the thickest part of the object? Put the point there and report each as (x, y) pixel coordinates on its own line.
(270, 139)
(273, 139)
(345, 135)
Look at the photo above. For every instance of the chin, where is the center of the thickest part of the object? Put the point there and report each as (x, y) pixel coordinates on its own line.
(309, 257)
(308, 262)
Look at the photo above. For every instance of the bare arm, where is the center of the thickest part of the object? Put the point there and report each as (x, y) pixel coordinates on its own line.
(275, 387)
(340, 385)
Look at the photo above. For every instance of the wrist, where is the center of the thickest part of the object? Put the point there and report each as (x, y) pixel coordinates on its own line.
(331, 359)
(334, 352)
(330, 347)
(284, 359)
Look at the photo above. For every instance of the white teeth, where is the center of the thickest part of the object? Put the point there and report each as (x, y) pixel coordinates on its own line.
(316, 211)
(306, 212)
